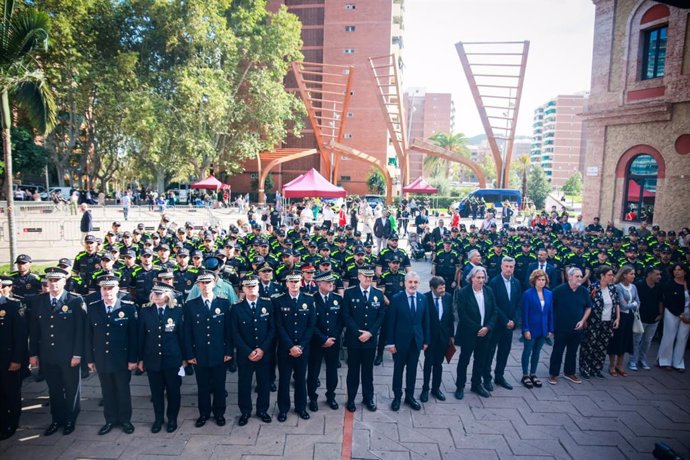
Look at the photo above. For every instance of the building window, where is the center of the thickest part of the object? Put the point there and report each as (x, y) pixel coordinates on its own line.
(352, 93)
(347, 136)
(350, 6)
(350, 114)
(654, 57)
(345, 178)
(640, 189)
(349, 51)
(350, 28)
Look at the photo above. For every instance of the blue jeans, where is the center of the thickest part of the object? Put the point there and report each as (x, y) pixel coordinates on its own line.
(530, 355)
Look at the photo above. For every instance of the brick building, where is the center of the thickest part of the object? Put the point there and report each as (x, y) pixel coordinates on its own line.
(637, 160)
(342, 33)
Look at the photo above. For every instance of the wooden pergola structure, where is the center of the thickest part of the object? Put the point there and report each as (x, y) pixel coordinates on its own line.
(433, 150)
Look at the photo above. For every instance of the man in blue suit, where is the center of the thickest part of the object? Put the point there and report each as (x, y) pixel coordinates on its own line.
(543, 264)
(408, 334)
(508, 295)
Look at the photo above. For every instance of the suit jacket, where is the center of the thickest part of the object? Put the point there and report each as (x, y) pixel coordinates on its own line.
(13, 332)
(294, 320)
(57, 334)
(507, 309)
(111, 340)
(440, 331)
(86, 224)
(161, 340)
(208, 337)
(252, 329)
(329, 318)
(469, 318)
(535, 320)
(365, 314)
(405, 326)
(550, 272)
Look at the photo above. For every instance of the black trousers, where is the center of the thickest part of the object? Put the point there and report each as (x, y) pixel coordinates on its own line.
(433, 366)
(568, 342)
(117, 400)
(286, 366)
(245, 370)
(499, 344)
(10, 398)
(210, 380)
(165, 381)
(360, 363)
(317, 354)
(405, 359)
(469, 346)
(64, 385)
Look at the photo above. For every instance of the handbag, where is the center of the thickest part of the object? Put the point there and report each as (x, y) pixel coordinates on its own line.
(638, 327)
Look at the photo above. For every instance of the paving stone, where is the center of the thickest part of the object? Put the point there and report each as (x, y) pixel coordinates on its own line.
(423, 450)
(91, 449)
(475, 454)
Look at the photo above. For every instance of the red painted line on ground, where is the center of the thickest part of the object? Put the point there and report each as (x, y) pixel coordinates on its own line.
(346, 448)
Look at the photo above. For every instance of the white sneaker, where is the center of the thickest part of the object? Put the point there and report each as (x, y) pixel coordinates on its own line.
(632, 366)
(645, 365)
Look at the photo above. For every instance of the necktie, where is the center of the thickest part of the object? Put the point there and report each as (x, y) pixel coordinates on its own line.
(412, 306)
(53, 303)
(160, 312)
(541, 267)
(253, 305)
(109, 309)
(366, 294)
(208, 304)
(325, 299)
(439, 307)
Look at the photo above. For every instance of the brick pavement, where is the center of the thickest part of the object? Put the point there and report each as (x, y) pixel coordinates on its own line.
(608, 419)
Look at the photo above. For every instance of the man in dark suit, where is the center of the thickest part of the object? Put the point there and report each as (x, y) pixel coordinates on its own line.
(325, 344)
(408, 334)
(508, 296)
(439, 233)
(542, 264)
(476, 318)
(57, 345)
(208, 346)
(363, 313)
(111, 350)
(441, 321)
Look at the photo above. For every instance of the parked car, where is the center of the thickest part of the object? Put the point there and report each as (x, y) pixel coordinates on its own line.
(373, 200)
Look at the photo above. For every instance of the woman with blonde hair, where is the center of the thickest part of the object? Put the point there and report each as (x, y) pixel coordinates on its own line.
(629, 301)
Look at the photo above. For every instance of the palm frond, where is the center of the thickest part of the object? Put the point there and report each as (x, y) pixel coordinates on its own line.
(28, 32)
(37, 100)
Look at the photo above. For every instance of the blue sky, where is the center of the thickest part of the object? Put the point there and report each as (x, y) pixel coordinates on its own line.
(560, 56)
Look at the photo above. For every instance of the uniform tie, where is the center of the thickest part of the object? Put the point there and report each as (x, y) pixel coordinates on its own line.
(253, 305)
(366, 294)
(108, 309)
(160, 312)
(53, 303)
(208, 304)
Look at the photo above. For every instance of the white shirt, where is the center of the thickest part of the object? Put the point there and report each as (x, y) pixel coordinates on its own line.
(209, 300)
(608, 305)
(506, 282)
(479, 296)
(438, 302)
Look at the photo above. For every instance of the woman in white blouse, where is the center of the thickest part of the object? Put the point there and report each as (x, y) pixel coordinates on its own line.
(622, 341)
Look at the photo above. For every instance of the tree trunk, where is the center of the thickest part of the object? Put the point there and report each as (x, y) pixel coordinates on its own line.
(7, 148)
(160, 180)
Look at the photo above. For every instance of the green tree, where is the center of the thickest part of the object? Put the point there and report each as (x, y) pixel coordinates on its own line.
(23, 33)
(573, 186)
(455, 142)
(538, 186)
(519, 173)
(376, 182)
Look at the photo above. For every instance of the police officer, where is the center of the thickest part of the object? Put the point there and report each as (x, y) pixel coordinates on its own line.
(325, 344)
(25, 283)
(87, 261)
(253, 329)
(57, 345)
(144, 277)
(13, 351)
(446, 264)
(363, 313)
(161, 341)
(295, 319)
(208, 346)
(111, 351)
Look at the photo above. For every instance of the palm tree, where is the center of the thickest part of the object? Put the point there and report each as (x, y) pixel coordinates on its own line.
(455, 142)
(22, 33)
(522, 165)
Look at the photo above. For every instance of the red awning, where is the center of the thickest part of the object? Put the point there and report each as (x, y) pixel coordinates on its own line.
(419, 185)
(209, 183)
(312, 184)
(634, 192)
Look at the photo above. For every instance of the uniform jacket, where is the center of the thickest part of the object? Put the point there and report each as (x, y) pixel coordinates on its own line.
(208, 337)
(65, 339)
(405, 326)
(13, 332)
(295, 321)
(160, 340)
(252, 329)
(365, 314)
(329, 318)
(111, 340)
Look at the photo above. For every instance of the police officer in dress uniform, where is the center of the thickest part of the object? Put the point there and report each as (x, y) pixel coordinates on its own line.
(269, 289)
(363, 313)
(57, 345)
(13, 351)
(253, 329)
(295, 320)
(208, 346)
(325, 344)
(161, 341)
(111, 351)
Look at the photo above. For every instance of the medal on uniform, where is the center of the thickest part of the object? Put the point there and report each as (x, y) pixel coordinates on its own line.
(263, 310)
(189, 282)
(65, 308)
(217, 311)
(28, 286)
(2, 313)
(304, 306)
(335, 302)
(171, 322)
(376, 299)
(121, 314)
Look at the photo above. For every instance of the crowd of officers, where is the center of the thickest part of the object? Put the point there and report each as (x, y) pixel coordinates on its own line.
(204, 301)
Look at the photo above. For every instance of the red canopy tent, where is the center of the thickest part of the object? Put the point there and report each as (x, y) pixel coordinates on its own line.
(210, 183)
(312, 184)
(634, 192)
(419, 185)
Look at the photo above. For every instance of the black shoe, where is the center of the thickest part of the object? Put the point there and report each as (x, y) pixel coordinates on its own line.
(351, 406)
(282, 417)
(585, 375)
(220, 420)
(378, 360)
(481, 391)
(413, 403)
(244, 419)
(69, 428)
(395, 405)
(318, 383)
(599, 375)
(424, 396)
(274, 388)
(488, 386)
(265, 417)
(156, 427)
(105, 429)
(303, 414)
(438, 394)
(172, 426)
(370, 405)
(52, 429)
(332, 404)
(313, 405)
(127, 428)
(459, 394)
(502, 382)
(201, 421)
